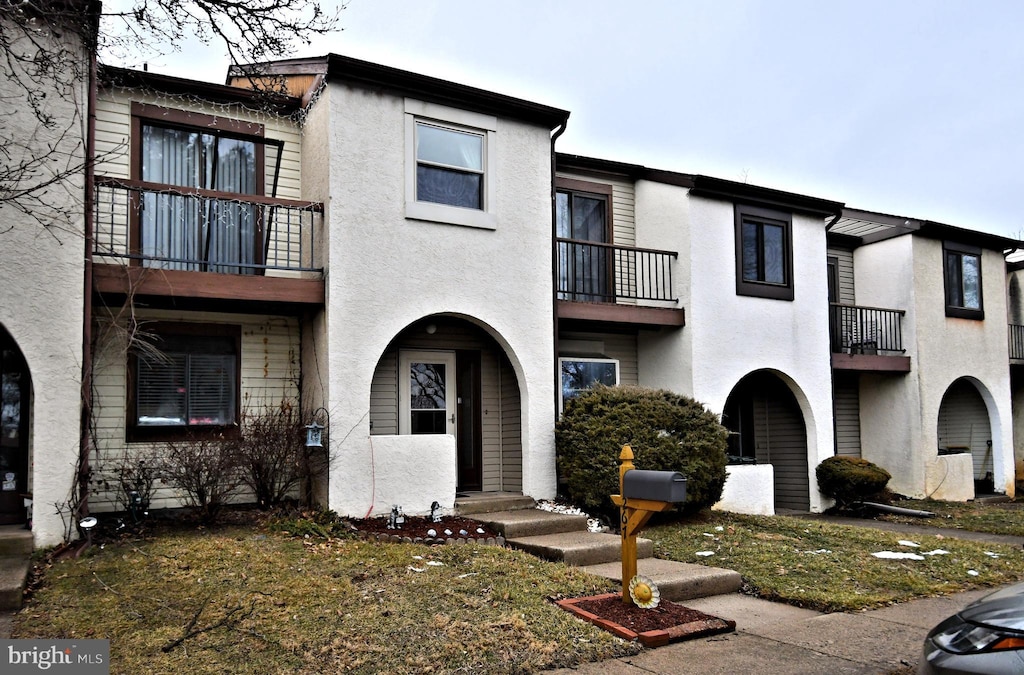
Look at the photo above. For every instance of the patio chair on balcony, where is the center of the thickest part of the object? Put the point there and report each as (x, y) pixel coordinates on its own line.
(862, 337)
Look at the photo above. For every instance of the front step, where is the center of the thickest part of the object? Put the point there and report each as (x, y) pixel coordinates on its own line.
(490, 502)
(13, 577)
(15, 541)
(532, 522)
(579, 548)
(677, 581)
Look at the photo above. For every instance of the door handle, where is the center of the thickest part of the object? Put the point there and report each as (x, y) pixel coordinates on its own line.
(452, 420)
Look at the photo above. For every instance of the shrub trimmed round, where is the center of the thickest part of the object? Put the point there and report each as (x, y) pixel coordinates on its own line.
(667, 431)
(850, 479)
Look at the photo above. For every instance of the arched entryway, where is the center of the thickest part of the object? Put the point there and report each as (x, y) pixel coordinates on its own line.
(447, 375)
(964, 426)
(767, 427)
(15, 402)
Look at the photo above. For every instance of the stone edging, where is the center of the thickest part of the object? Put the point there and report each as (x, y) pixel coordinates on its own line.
(439, 541)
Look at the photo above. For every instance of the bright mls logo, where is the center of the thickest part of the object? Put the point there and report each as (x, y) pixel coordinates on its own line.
(82, 657)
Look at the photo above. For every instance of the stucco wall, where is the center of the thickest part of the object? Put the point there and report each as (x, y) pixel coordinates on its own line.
(412, 472)
(733, 335)
(748, 489)
(899, 413)
(41, 287)
(387, 271)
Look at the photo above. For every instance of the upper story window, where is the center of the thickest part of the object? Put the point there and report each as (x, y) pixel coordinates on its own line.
(212, 159)
(962, 276)
(764, 253)
(450, 165)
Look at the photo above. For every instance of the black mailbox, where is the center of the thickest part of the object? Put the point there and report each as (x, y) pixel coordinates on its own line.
(661, 486)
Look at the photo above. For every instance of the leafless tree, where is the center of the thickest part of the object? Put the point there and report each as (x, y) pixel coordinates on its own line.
(45, 57)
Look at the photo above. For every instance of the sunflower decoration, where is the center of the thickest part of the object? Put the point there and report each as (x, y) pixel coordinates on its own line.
(644, 592)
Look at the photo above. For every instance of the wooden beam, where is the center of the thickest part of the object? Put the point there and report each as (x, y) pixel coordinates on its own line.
(623, 314)
(878, 363)
(146, 281)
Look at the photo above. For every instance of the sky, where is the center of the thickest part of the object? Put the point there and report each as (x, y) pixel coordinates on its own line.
(907, 107)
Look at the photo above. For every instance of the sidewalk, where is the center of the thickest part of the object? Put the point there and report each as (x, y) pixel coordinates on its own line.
(773, 637)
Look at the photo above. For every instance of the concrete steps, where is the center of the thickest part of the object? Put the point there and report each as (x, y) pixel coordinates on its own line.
(676, 581)
(565, 538)
(487, 502)
(16, 546)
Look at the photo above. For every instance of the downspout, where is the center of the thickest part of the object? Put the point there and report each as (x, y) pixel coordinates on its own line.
(90, 174)
(554, 266)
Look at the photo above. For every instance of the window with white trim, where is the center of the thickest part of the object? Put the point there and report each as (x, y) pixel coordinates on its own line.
(450, 165)
(579, 374)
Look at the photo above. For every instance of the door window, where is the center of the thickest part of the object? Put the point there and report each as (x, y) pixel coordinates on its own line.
(427, 381)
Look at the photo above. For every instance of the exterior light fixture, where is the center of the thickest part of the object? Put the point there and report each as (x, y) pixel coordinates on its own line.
(315, 430)
(87, 524)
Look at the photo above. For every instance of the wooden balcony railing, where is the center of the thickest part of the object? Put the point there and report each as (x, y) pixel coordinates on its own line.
(594, 272)
(153, 225)
(866, 330)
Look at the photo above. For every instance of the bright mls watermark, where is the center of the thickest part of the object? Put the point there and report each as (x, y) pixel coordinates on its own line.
(82, 657)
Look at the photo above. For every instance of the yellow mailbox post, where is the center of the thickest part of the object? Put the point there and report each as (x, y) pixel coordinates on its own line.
(635, 511)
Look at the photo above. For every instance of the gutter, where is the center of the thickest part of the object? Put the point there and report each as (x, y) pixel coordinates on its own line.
(90, 173)
(554, 261)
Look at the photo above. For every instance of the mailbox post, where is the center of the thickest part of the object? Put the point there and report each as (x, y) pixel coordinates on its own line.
(641, 495)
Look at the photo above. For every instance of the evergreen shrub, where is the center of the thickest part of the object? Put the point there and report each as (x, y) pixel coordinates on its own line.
(850, 479)
(667, 432)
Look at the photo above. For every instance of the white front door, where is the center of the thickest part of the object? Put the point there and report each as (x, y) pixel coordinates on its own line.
(426, 395)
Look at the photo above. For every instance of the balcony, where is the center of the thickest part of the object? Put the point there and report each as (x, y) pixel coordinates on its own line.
(1016, 343)
(867, 338)
(194, 243)
(618, 284)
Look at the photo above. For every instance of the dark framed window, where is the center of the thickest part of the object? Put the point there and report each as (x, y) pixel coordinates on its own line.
(580, 374)
(764, 253)
(961, 271)
(186, 383)
(199, 224)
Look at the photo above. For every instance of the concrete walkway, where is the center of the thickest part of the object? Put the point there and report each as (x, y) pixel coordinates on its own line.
(773, 637)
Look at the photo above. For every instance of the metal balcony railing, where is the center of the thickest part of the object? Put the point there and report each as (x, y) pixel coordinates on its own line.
(866, 330)
(595, 272)
(137, 222)
(1016, 341)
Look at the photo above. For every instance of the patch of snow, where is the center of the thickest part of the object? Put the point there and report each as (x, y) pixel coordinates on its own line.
(990, 554)
(938, 551)
(819, 551)
(435, 563)
(719, 529)
(898, 555)
(416, 569)
(704, 554)
(912, 544)
(973, 573)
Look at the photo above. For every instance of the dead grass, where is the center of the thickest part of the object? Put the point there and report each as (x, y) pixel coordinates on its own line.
(998, 518)
(830, 567)
(246, 601)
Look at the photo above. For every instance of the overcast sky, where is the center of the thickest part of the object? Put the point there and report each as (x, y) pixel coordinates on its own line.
(914, 108)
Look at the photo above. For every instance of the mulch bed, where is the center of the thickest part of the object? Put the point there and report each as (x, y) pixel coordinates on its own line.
(668, 622)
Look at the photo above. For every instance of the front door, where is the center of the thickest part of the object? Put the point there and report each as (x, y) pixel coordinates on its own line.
(14, 401)
(469, 434)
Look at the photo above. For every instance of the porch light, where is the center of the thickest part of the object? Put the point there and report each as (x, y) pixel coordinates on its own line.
(315, 430)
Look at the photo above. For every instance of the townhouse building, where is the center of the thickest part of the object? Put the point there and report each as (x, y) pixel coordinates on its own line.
(411, 257)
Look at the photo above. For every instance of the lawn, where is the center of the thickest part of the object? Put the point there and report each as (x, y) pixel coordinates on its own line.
(248, 600)
(831, 567)
(998, 518)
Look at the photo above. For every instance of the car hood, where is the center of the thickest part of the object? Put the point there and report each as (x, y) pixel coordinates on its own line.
(1002, 609)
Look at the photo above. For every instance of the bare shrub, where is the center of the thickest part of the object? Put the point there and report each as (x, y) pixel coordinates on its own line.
(271, 453)
(136, 482)
(205, 470)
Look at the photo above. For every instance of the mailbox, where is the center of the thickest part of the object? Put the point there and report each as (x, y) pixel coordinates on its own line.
(661, 486)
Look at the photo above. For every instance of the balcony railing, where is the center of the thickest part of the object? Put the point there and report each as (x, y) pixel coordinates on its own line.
(154, 225)
(1016, 341)
(594, 272)
(866, 330)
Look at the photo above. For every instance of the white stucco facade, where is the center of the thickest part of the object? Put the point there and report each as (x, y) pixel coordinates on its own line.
(900, 412)
(42, 282)
(387, 270)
